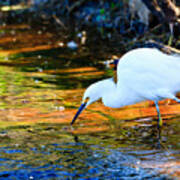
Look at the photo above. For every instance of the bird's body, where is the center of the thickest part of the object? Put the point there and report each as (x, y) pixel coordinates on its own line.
(149, 74)
(142, 74)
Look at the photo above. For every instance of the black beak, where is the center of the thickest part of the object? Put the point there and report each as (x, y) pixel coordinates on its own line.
(78, 112)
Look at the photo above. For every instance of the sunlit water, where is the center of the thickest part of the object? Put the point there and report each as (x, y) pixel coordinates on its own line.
(81, 160)
(47, 152)
(40, 92)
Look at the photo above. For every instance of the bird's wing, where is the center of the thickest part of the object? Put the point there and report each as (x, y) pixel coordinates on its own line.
(149, 71)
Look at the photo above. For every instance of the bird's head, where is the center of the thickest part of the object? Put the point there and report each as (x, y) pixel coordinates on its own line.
(92, 94)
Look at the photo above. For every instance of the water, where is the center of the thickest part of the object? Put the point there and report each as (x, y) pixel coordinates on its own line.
(50, 153)
(40, 92)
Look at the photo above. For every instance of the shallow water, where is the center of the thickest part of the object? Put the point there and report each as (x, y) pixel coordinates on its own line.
(69, 157)
(41, 89)
(47, 151)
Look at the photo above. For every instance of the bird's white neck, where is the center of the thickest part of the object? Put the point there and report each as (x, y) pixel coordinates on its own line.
(112, 96)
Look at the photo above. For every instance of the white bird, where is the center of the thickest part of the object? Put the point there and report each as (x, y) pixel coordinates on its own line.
(142, 74)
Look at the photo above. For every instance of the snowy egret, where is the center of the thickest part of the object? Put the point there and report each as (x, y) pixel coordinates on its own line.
(142, 74)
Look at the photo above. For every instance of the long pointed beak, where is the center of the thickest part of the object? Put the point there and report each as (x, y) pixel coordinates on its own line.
(83, 105)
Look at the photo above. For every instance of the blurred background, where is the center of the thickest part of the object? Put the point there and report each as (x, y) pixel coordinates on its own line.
(121, 23)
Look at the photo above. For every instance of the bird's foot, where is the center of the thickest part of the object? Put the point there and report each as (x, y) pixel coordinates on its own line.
(160, 122)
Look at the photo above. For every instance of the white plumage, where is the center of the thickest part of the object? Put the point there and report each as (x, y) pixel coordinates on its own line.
(149, 74)
(142, 74)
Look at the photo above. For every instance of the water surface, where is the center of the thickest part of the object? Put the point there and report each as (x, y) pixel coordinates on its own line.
(41, 88)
